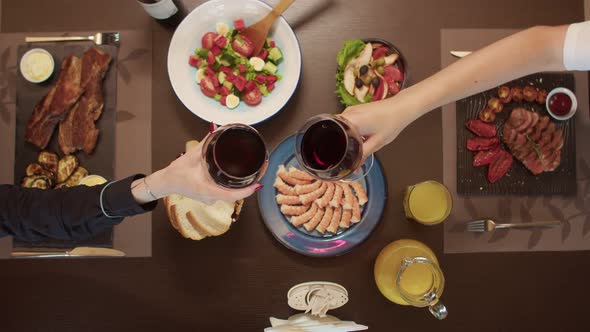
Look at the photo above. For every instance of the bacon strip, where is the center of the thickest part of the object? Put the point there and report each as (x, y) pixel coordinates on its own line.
(78, 131)
(52, 108)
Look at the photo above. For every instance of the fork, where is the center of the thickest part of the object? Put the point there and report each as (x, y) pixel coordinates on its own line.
(488, 225)
(100, 38)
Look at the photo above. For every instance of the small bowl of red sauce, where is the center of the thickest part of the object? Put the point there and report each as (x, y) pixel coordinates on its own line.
(561, 103)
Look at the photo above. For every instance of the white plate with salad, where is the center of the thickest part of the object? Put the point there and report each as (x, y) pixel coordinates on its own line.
(214, 72)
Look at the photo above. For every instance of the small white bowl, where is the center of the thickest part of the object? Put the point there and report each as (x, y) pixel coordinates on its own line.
(23, 64)
(570, 94)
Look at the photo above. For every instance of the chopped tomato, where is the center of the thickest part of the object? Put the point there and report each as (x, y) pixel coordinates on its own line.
(271, 78)
(223, 99)
(220, 41)
(239, 24)
(243, 46)
(208, 40)
(272, 43)
(223, 91)
(207, 87)
(380, 52)
(216, 50)
(242, 69)
(252, 97)
(250, 86)
(225, 69)
(392, 73)
(240, 82)
(194, 61)
(263, 54)
(393, 88)
(215, 81)
(260, 79)
(379, 91)
(210, 58)
(270, 86)
(209, 71)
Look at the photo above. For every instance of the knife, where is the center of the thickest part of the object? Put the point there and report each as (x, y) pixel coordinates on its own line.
(76, 252)
(460, 54)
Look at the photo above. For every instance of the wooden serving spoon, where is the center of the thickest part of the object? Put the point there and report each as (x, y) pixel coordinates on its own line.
(258, 31)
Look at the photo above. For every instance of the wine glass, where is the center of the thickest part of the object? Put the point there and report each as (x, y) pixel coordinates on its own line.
(236, 155)
(330, 148)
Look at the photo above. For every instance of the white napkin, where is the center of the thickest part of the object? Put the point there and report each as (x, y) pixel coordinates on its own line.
(310, 323)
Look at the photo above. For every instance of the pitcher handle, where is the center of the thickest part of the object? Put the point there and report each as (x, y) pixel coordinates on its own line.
(438, 310)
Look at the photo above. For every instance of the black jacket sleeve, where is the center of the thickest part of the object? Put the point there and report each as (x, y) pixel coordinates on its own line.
(67, 213)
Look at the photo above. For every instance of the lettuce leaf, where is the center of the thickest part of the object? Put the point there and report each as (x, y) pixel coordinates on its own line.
(351, 49)
(345, 98)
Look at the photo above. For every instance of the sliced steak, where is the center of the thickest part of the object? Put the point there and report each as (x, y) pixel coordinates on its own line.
(532, 139)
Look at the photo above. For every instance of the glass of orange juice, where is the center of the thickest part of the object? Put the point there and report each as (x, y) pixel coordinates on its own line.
(407, 273)
(428, 202)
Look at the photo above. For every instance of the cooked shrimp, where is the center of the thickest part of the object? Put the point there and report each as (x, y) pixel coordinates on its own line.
(284, 188)
(324, 200)
(312, 196)
(307, 188)
(283, 174)
(314, 222)
(336, 200)
(345, 220)
(299, 174)
(335, 221)
(286, 199)
(294, 210)
(360, 193)
(305, 217)
(348, 196)
(325, 222)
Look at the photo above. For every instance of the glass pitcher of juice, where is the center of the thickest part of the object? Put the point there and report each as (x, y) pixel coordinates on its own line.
(407, 273)
(428, 202)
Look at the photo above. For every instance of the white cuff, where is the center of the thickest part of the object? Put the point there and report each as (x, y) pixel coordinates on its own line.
(576, 49)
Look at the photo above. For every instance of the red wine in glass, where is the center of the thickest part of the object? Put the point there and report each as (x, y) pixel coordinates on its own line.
(329, 148)
(236, 156)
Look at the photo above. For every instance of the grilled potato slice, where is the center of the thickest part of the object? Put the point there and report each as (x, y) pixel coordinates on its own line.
(41, 183)
(49, 161)
(34, 169)
(37, 181)
(66, 167)
(78, 175)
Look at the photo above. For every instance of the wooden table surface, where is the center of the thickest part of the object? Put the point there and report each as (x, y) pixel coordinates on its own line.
(235, 282)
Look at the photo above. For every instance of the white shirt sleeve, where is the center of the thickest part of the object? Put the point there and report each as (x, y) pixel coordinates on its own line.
(576, 49)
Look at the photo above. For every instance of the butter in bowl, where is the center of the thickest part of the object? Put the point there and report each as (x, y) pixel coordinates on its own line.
(37, 65)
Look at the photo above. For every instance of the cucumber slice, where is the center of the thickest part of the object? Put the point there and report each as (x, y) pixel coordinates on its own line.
(275, 55)
(270, 68)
